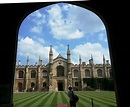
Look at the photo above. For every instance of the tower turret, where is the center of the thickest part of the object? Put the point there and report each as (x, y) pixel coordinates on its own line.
(68, 55)
(104, 61)
(50, 67)
(91, 61)
(27, 62)
(80, 59)
(92, 65)
(39, 61)
(19, 62)
(104, 66)
(51, 55)
(69, 64)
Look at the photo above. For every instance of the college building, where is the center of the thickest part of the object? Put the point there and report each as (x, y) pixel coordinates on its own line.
(59, 73)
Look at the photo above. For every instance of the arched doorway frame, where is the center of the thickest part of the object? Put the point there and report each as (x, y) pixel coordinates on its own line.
(20, 87)
(60, 85)
(84, 6)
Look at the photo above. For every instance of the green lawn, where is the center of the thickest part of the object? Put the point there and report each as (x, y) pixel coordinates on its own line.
(51, 99)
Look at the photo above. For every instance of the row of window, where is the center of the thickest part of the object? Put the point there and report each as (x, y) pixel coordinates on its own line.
(33, 85)
(33, 74)
(61, 73)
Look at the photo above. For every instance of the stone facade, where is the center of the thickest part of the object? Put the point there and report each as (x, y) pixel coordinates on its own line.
(58, 74)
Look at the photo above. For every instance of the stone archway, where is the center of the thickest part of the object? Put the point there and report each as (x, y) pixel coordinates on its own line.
(60, 85)
(20, 87)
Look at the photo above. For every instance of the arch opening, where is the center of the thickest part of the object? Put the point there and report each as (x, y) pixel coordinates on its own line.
(61, 72)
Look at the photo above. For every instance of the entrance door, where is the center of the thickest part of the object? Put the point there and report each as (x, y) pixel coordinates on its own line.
(20, 87)
(60, 86)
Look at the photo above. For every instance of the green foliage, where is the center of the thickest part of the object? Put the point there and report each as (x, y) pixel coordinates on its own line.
(76, 88)
(44, 89)
(100, 83)
(88, 88)
(29, 90)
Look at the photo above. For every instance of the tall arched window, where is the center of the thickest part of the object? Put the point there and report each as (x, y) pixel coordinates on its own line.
(75, 73)
(32, 85)
(20, 86)
(21, 74)
(44, 84)
(33, 74)
(60, 71)
(76, 83)
(44, 74)
(99, 73)
(87, 73)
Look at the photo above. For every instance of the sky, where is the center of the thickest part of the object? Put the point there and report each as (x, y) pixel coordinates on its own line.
(59, 25)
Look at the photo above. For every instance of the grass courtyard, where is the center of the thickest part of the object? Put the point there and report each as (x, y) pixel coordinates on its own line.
(51, 99)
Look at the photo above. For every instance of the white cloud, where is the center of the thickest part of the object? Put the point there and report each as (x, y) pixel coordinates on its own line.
(36, 29)
(54, 12)
(41, 40)
(75, 25)
(102, 37)
(27, 41)
(33, 49)
(66, 6)
(85, 20)
(78, 22)
(60, 27)
(36, 14)
(88, 49)
(76, 34)
(38, 20)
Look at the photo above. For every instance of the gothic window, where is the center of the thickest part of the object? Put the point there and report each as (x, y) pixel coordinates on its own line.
(33, 85)
(44, 84)
(75, 73)
(33, 74)
(60, 71)
(20, 86)
(76, 83)
(20, 74)
(87, 73)
(99, 73)
(44, 74)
